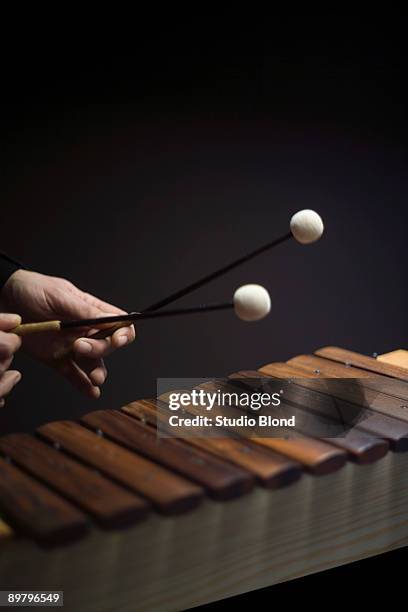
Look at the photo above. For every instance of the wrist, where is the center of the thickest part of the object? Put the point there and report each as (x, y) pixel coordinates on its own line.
(7, 290)
(8, 266)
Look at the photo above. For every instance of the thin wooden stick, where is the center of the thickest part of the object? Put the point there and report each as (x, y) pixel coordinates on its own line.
(210, 277)
(110, 323)
(26, 329)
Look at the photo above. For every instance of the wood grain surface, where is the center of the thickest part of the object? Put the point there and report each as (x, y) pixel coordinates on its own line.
(109, 505)
(221, 550)
(35, 511)
(362, 361)
(378, 423)
(270, 469)
(314, 455)
(221, 480)
(332, 369)
(319, 417)
(168, 492)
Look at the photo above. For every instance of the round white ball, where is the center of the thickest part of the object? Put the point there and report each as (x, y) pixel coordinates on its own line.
(306, 226)
(251, 302)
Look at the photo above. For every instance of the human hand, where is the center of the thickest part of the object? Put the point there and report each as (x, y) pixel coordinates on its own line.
(37, 297)
(9, 344)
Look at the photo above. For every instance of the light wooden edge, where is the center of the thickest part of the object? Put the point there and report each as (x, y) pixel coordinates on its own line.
(399, 358)
(26, 329)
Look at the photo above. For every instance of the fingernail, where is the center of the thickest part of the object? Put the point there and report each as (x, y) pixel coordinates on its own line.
(11, 318)
(95, 393)
(98, 378)
(122, 340)
(17, 378)
(84, 347)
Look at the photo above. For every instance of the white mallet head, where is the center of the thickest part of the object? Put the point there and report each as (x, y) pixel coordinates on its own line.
(306, 226)
(251, 302)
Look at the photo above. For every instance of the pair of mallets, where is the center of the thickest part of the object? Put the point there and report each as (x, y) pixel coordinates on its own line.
(250, 302)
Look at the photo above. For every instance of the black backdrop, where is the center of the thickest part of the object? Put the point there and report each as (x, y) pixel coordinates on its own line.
(133, 176)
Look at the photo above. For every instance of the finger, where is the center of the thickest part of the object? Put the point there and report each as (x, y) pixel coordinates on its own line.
(5, 364)
(98, 375)
(103, 347)
(8, 381)
(2, 402)
(9, 344)
(94, 368)
(9, 321)
(77, 377)
(96, 349)
(123, 336)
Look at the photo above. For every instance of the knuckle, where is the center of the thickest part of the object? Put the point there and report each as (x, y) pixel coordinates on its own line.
(12, 343)
(5, 364)
(8, 345)
(17, 342)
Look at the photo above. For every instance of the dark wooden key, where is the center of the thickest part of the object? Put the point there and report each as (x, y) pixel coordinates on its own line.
(170, 494)
(377, 423)
(109, 504)
(361, 447)
(381, 393)
(315, 456)
(362, 361)
(332, 369)
(221, 480)
(271, 470)
(35, 511)
(286, 370)
(315, 412)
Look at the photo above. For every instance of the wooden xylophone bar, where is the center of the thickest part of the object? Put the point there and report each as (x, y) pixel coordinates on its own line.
(107, 480)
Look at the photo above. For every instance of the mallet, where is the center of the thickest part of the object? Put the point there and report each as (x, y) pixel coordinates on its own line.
(250, 303)
(306, 226)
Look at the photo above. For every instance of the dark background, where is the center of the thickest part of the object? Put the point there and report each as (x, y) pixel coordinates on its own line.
(134, 175)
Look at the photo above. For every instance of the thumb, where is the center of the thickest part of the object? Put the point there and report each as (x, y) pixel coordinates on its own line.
(9, 321)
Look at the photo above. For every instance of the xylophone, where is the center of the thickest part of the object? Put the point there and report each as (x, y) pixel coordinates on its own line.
(119, 519)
